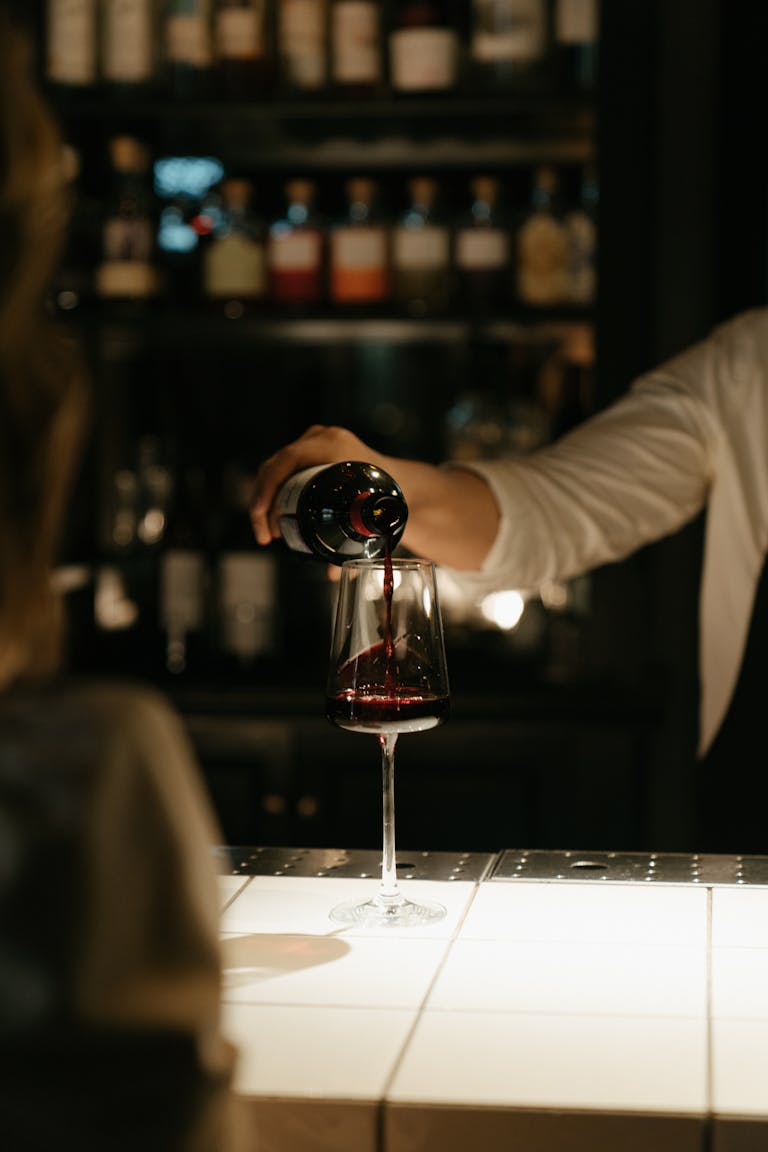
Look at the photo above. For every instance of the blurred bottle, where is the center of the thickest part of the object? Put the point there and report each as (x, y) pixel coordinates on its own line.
(542, 245)
(296, 249)
(482, 250)
(581, 231)
(576, 35)
(246, 587)
(72, 43)
(234, 264)
(566, 383)
(302, 45)
(184, 576)
(127, 269)
(509, 43)
(421, 253)
(424, 48)
(188, 45)
(356, 65)
(245, 50)
(129, 45)
(359, 249)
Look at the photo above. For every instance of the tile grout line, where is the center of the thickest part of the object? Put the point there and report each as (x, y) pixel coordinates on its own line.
(380, 1132)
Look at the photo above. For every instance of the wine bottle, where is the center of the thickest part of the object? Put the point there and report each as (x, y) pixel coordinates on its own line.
(508, 43)
(234, 264)
(127, 269)
(481, 249)
(424, 48)
(342, 511)
(183, 576)
(359, 250)
(355, 46)
(245, 61)
(129, 38)
(302, 42)
(296, 249)
(72, 43)
(188, 48)
(581, 234)
(542, 245)
(421, 253)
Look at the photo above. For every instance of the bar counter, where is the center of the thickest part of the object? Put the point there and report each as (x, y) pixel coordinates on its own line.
(568, 1002)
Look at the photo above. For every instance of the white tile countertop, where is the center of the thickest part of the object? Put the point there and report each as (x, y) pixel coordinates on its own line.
(562, 1014)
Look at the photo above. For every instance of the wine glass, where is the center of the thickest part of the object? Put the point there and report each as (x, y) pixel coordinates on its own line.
(387, 675)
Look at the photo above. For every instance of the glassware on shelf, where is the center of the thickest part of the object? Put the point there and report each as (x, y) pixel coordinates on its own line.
(388, 675)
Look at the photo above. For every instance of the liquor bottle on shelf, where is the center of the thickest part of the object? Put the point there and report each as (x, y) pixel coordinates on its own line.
(244, 45)
(246, 585)
(342, 511)
(129, 40)
(296, 249)
(508, 44)
(581, 232)
(482, 250)
(302, 45)
(234, 263)
(188, 47)
(576, 36)
(355, 40)
(184, 576)
(421, 253)
(424, 48)
(542, 245)
(359, 250)
(127, 269)
(72, 43)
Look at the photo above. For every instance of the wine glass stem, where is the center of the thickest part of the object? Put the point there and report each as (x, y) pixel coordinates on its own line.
(389, 886)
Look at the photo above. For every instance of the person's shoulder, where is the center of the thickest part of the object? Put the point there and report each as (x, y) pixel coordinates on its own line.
(751, 323)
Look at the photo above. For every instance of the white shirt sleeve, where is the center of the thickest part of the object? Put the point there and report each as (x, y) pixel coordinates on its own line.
(692, 433)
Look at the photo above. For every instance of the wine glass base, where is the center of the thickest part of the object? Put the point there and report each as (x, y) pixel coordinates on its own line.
(388, 912)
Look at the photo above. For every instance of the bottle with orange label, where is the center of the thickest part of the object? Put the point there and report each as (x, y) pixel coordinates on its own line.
(359, 250)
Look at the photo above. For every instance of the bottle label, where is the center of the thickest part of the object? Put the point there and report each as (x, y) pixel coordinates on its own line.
(126, 278)
(296, 252)
(240, 32)
(235, 266)
(576, 21)
(287, 502)
(127, 43)
(359, 264)
(481, 248)
(182, 590)
(355, 40)
(508, 30)
(423, 59)
(302, 42)
(72, 41)
(423, 248)
(187, 41)
(542, 261)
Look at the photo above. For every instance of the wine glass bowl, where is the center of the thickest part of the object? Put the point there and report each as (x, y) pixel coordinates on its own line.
(387, 676)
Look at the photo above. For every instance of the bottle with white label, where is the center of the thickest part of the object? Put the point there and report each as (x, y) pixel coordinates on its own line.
(129, 44)
(296, 249)
(127, 270)
(302, 45)
(581, 230)
(509, 42)
(542, 246)
(424, 48)
(576, 36)
(234, 265)
(72, 43)
(481, 252)
(188, 47)
(356, 66)
(358, 256)
(421, 253)
(244, 47)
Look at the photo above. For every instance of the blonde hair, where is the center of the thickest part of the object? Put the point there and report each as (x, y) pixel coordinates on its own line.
(42, 387)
